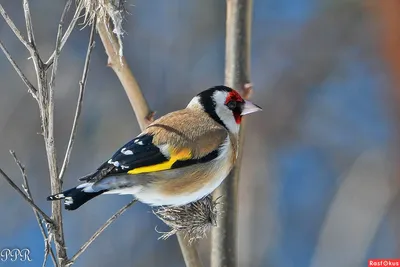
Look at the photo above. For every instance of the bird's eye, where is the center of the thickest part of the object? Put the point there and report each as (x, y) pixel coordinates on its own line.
(231, 105)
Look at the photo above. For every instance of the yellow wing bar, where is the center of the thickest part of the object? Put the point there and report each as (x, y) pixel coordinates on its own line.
(175, 155)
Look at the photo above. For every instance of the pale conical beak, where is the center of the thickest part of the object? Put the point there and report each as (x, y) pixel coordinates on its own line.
(249, 108)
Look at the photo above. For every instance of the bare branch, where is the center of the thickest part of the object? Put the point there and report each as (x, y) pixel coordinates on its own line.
(26, 187)
(66, 35)
(46, 108)
(100, 230)
(190, 256)
(31, 89)
(24, 176)
(48, 249)
(78, 110)
(45, 259)
(29, 30)
(28, 22)
(57, 50)
(237, 75)
(33, 205)
(15, 29)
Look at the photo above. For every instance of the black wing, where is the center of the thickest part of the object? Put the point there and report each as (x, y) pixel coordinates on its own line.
(137, 153)
(141, 152)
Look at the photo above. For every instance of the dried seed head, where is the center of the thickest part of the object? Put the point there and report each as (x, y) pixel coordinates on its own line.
(102, 11)
(193, 219)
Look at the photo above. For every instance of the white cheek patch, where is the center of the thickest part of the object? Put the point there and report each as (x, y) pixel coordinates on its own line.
(224, 113)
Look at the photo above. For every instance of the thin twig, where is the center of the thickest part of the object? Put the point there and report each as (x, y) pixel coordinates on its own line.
(38, 64)
(78, 110)
(31, 89)
(57, 51)
(15, 29)
(100, 230)
(37, 215)
(29, 31)
(47, 250)
(45, 259)
(66, 35)
(33, 205)
(28, 22)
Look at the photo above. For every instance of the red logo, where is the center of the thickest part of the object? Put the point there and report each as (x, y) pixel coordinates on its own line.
(383, 262)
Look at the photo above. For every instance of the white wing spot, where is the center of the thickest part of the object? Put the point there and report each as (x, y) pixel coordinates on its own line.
(137, 141)
(126, 151)
(124, 167)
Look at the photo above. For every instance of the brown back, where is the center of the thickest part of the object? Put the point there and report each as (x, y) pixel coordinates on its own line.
(188, 128)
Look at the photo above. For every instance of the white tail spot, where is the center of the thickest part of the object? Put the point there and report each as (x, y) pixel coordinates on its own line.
(68, 201)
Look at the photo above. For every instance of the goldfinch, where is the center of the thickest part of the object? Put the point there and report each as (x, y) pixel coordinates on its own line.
(179, 158)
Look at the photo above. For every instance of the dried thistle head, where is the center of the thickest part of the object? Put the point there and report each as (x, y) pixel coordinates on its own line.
(101, 11)
(193, 219)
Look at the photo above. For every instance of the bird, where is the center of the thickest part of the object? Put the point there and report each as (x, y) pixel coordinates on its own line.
(179, 158)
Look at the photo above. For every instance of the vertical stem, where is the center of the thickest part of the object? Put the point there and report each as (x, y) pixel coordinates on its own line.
(47, 111)
(190, 255)
(46, 114)
(237, 72)
(46, 107)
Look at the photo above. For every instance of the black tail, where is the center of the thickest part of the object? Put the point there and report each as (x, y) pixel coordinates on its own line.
(75, 197)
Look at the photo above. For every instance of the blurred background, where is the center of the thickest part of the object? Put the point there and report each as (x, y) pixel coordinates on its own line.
(320, 176)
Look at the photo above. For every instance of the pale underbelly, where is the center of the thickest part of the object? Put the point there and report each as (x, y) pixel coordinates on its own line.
(154, 195)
